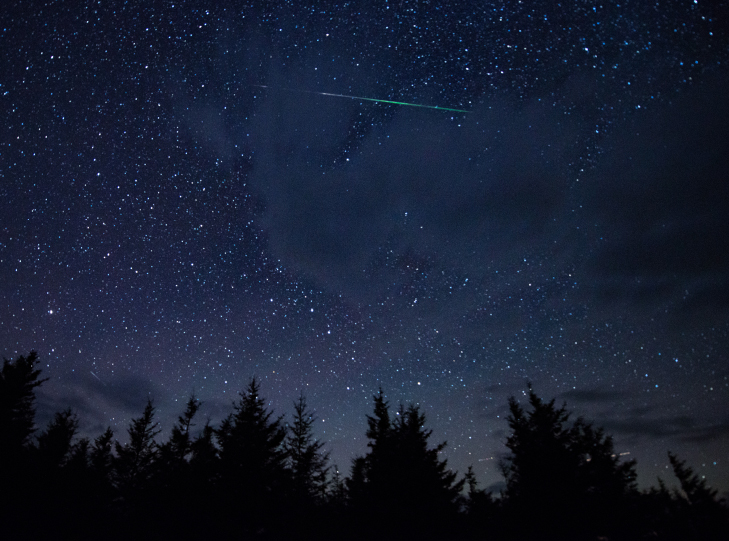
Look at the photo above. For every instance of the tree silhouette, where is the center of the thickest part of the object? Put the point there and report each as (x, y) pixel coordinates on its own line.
(306, 460)
(54, 443)
(204, 454)
(359, 484)
(480, 511)
(101, 463)
(694, 490)
(134, 461)
(337, 494)
(78, 459)
(427, 476)
(401, 485)
(66, 488)
(173, 466)
(379, 425)
(174, 489)
(100, 456)
(251, 477)
(252, 460)
(18, 465)
(179, 445)
(18, 381)
(693, 511)
(308, 468)
(567, 478)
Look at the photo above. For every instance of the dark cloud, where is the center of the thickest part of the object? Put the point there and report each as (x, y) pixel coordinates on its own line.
(659, 198)
(704, 435)
(476, 190)
(508, 388)
(131, 392)
(683, 428)
(49, 402)
(641, 410)
(84, 393)
(215, 409)
(592, 396)
(657, 428)
(496, 488)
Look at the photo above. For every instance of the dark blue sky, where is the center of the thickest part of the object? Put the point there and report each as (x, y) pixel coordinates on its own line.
(166, 224)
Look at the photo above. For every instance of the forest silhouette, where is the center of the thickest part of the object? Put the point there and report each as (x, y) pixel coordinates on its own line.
(258, 476)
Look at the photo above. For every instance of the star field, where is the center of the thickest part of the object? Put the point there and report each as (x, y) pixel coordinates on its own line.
(168, 225)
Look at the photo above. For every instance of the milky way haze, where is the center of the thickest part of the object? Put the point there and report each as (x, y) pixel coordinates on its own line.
(167, 224)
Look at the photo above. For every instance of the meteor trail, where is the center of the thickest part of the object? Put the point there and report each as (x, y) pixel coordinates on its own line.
(372, 99)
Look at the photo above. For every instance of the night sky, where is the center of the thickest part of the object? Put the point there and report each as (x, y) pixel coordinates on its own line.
(182, 208)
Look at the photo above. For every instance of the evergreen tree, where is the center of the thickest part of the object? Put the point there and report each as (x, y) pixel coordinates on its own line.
(203, 487)
(179, 446)
(694, 490)
(480, 511)
(379, 425)
(134, 461)
(306, 459)
(695, 510)
(18, 469)
(61, 470)
(100, 456)
(401, 485)
(204, 454)
(337, 494)
(18, 381)
(54, 490)
(175, 492)
(563, 479)
(427, 476)
(360, 485)
(54, 443)
(567, 478)
(251, 442)
(78, 460)
(253, 474)
(174, 454)
(101, 464)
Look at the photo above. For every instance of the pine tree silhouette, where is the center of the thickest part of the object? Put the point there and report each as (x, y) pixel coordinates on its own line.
(253, 474)
(78, 460)
(204, 454)
(337, 494)
(480, 511)
(694, 489)
(18, 381)
(402, 485)
(18, 464)
(100, 457)
(567, 478)
(695, 510)
(134, 461)
(308, 468)
(54, 443)
(306, 459)
(174, 490)
(65, 488)
(251, 477)
(173, 467)
(179, 446)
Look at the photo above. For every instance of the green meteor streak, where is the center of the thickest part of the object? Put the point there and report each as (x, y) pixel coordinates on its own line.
(393, 102)
(373, 99)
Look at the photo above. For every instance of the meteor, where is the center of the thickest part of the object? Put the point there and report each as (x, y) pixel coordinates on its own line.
(372, 99)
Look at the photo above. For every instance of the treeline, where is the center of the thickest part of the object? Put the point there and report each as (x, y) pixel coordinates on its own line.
(255, 476)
